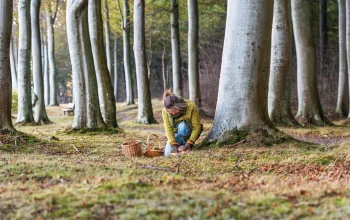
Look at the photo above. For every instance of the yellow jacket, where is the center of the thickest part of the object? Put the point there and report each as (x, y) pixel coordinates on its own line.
(191, 115)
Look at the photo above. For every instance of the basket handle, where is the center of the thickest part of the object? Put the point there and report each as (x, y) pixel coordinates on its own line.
(149, 147)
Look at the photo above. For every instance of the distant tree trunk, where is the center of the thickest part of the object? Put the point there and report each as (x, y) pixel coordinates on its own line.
(175, 47)
(25, 113)
(347, 12)
(105, 87)
(243, 87)
(145, 111)
(193, 53)
(51, 52)
(108, 40)
(343, 91)
(13, 66)
(309, 106)
(323, 34)
(6, 9)
(115, 68)
(279, 83)
(163, 71)
(40, 115)
(46, 76)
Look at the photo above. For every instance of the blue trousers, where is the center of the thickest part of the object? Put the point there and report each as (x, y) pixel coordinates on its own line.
(182, 135)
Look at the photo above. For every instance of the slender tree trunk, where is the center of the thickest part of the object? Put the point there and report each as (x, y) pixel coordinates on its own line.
(105, 87)
(145, 112)
(25, 114)
(46, 76)
(323, 34)
(52, 59)
(13, 66)
(243, 86)
(115, 87)
(279, 83)
(343, 91)
(126, 52)
(175, 48)
(347, 12)
(40, 115)
(108, 40)
(309, 106)
(193, 53)
(6, 9)
(163, 71)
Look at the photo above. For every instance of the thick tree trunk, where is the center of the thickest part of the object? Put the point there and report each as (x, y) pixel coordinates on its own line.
(105, 87)
(6, 9)
(40, 115)
(279, 84)
(126, 54)
(115, 87)
(52, 58)
(46, 76)
(13, 66)
(343, 91)
(323, 34)
(108, 40)
(175, 48)
(145, 111)
(243, 86)
(309, 106)
(25, 114)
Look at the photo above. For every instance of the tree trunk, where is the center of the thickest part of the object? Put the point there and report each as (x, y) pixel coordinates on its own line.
(46, 76)
(108, 40)
(13, 66)
(40, 115)
(25, 113)
(163, 71)
(105, 87)
(323, 34)
(347, 12)
(343, 92)
(126, 53)
(115, 87)
(193, 53)
(6, 9)
(243, 86)
(279, 84)
(145, 112)
(175, 48)
(309, 106)
(52, 59)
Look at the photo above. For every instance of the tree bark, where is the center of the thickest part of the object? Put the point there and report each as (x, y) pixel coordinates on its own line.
(40, 115)
(115, 87)
(105, 87)
(145, 112)
(108, 40)
(25, 113)
(243, 86)
(13, 66)
(343, 90)
(163, 71)
(52, 59)
(309, 106)
(46, 76)
(347, 12)
(175, 48)
(6, 9)
(280, 81)
(323, 34)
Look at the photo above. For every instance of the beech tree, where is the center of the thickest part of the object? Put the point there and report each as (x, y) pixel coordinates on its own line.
(108, 40)
(115, 60)
(6, 10)
(13, 66)
(46, 74)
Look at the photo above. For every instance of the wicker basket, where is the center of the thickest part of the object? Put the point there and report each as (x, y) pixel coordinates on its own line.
(151, 152)
(132, 148)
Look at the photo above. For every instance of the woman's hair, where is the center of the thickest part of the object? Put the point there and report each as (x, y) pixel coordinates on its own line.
(171, 100)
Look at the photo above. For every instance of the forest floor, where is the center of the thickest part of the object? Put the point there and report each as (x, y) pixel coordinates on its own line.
(50, 174)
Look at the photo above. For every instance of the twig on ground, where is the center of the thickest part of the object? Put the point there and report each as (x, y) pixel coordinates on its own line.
(20, 139)
(1, 144)
(238, 143)
(76, 149)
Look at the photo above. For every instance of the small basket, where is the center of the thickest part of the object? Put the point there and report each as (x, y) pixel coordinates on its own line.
(151, 152)
(132, 148)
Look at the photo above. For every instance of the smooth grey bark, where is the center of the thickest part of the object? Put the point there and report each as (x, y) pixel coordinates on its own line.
(13, 66)
(6, 9)
(243, 86)
(163, 71)
(347, 12)
(145, 111)
(51, 52)
(46, 75)
(342, 108)
(175, 48)
(25, 113)
(323, 33)
(193, 53)
(105, 87)
(115, 87)
(309, 106)
(280, 81)
(108, 40)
